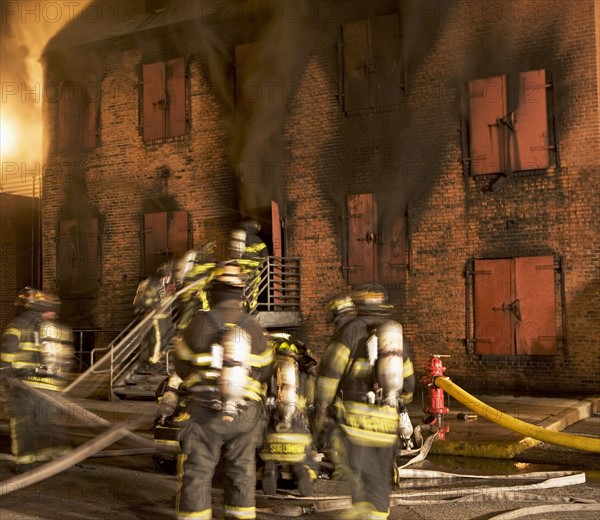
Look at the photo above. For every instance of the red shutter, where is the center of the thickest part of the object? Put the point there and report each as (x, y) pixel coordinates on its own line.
(68, 235)
(91, 106)
(361, 226)
(89, 272)
(529, 141)
(385, 78)
(68, 117)
(487, 104)
(392, 254)
(155, 241)
(356, 65)
(536, 331)
(176, 98)
(178, 234)
(493, 289)
(154, 101)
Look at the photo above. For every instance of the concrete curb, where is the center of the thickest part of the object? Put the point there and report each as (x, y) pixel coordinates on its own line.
(508, 449)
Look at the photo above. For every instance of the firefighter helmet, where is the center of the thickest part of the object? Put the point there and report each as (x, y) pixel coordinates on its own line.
(251, 226)
(341, 305)
(36, 300)
(230, 273)
(371, 298)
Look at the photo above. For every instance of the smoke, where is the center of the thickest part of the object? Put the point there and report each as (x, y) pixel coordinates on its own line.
(267, 71)
(25, 27)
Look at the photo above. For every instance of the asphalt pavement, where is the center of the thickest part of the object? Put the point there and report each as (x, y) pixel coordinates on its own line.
(479, 471)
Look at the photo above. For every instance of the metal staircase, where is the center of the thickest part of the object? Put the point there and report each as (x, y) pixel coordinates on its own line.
(118, 371)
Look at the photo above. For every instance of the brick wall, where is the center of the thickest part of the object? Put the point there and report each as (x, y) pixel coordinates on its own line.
(414, 149)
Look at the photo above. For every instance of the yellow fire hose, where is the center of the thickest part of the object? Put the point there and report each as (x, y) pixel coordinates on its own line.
(507, 421)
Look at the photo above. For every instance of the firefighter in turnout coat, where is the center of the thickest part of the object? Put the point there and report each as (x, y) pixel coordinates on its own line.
(288, 443)
(249, 249)
(362, 379)
(39, 352)
(225, 363)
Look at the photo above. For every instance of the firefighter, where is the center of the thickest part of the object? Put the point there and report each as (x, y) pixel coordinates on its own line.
(38, 351)
(149, 295)
(195, 268)
(249, 249)
(225, 363)
(288, 443)
(362, 366)
(339, 311)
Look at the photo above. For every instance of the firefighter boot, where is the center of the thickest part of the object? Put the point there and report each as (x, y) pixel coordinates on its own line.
(269, 478)
(304, 482)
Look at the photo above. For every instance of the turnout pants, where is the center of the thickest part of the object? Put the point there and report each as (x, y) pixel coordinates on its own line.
(36, 428)
(203, 439)
(369, 471)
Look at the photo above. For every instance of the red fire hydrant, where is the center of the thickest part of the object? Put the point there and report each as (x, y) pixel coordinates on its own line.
(436, 408)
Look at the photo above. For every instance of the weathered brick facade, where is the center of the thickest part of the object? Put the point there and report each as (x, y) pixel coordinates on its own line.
(414, 150)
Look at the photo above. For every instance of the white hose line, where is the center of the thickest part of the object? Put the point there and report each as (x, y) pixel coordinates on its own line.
(66, 461)
(69, 406)
(536, 510)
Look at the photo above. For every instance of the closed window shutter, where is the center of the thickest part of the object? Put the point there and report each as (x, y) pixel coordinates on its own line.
(154, 100)
(176, 119)
(69, 117)
(487, 104)
(68, 245)
(361, 223)
(89, 265)
(78, 262)
(529, 146)
(356, 65)
(536, 330)
(166, 237)
(155, 241)
(178, 234)
(392, 251)
(515, 306)
(91, 109)
(385, 79)
(493, 289)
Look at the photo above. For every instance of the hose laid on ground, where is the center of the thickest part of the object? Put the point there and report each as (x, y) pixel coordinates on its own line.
(66, 461)
(68, 406)
(507, 421)
(536, 510)
(446, 496)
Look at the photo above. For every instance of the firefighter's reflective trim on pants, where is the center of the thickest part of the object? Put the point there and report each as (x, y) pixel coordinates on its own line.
(239, 512)
(367, 511)
(368, 425)
(195, 515)
(285, 447)
(205, 514)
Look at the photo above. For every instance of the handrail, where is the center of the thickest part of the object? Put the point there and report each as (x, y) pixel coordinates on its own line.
(123, 352)
(278, 285)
